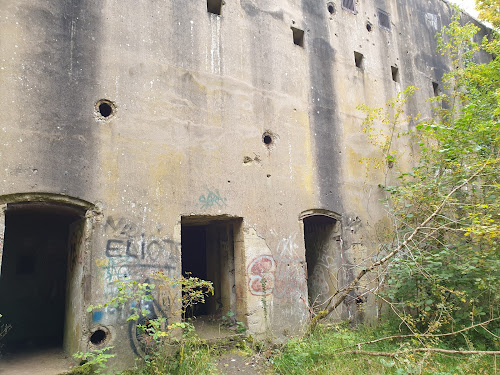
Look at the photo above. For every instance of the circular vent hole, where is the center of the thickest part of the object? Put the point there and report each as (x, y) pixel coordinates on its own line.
(331, 8)
(98, 337)
(105, 108)
(267, 139)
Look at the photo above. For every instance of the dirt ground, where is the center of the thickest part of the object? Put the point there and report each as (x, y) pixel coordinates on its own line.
(54, 361)
(42, 362)
(236, 364)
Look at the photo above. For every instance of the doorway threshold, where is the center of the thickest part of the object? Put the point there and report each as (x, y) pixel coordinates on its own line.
(47, 361)
(215, 330)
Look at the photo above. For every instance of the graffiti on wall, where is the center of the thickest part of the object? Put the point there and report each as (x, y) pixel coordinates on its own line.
(211, 198)
(282, 275)
(138, 339)
(131, 253)
(325, 274)
(127, 240)
(261, 275)
(290, 269)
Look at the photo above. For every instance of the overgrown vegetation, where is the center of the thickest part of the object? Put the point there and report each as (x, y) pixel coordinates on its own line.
(93, 362)
(489, 10)
(169, 347)
(447, 277)
(335, 349)
(440, 269)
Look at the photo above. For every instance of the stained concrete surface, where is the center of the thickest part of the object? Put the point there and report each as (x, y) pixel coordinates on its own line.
(211, 329)
(42, 362)
(214, 116)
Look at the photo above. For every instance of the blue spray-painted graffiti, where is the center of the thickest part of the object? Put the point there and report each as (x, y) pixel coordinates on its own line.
(211, 199)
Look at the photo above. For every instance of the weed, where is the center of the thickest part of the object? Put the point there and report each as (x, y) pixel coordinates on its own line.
(93, 362)
(321, 353)
(230, 321)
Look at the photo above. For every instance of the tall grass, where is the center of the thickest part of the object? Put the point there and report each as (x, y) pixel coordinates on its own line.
(321, 353)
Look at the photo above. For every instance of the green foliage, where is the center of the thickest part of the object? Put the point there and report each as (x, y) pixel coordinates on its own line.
(193, 357)
(376, 123)
(230, 321)
(93, 362)
(489, 10)
(448, 277)
(164, 340)
(129, 291)
(240, 327)
(193, 290)
(186, 291)
(324, 352)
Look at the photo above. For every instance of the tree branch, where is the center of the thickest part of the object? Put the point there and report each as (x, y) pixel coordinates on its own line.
(346, 290)
(416, 335)
(425, 350)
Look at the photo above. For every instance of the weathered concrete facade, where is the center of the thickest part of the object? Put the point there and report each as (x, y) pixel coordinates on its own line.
(159, 133)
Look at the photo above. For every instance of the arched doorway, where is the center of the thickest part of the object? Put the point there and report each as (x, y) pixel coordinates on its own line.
(323, 255)
(42, 238)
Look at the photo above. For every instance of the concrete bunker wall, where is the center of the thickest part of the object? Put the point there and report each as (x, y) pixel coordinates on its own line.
(249, 277)
(242, 113)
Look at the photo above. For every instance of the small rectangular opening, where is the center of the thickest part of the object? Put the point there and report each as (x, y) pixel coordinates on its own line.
(298, 36)
(384, 20)
(358, 59)
(214, 6)
(349, 5)
(435, 88)
(395, 73)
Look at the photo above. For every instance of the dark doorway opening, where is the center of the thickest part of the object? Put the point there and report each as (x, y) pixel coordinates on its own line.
(208, 252)
(323, 257)
(34, 270)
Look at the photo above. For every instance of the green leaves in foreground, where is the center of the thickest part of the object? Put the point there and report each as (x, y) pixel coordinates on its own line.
(326, 352)
(449, 276)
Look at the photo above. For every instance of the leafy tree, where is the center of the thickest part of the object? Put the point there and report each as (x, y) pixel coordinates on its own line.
(443, 264)
(448, 276)
(489, 10)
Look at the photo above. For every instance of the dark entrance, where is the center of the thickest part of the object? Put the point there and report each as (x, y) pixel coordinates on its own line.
(323, 257)
(34, 270)
(208, 253)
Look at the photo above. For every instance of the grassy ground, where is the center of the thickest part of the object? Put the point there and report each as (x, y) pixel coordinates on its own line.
(321, 353)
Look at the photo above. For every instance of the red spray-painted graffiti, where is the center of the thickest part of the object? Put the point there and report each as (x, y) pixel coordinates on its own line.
(283, 275)
(261, 275)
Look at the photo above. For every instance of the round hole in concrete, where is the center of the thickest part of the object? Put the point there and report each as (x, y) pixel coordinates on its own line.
(105, 108)
(331, 8)
(368, 26)
(98, 337)
(267, 139)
